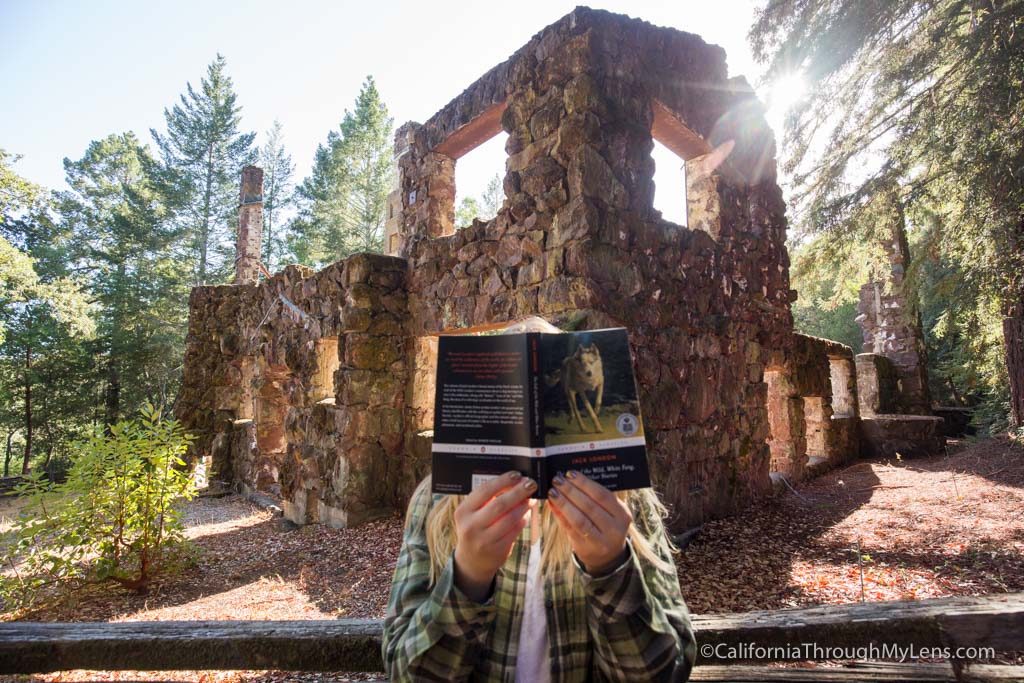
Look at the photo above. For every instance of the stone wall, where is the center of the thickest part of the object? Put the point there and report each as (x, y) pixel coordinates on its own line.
(902, 436)
(578, 240)
(320, 386)
(296, 386)
(892, 328)
(877, 385)
(889, 317)
(892, 376)
(886, 429)
(812, 407)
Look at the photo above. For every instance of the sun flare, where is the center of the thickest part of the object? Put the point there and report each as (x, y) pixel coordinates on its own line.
(785, 92)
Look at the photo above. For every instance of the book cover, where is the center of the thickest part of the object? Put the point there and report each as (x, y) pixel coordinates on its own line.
(538, 403)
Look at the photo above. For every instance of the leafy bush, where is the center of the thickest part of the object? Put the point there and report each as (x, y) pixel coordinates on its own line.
(113, 519)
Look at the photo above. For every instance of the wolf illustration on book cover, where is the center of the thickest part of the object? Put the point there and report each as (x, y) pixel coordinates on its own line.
(590, 393)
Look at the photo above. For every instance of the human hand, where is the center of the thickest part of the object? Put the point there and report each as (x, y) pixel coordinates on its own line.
(595, 520)
(487, 524)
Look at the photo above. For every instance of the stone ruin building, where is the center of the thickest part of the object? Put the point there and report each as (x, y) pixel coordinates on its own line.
(892, 375)
(317, 387)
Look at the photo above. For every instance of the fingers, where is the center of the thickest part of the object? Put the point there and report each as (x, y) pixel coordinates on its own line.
(570, 490)
(598, 537)
(512, 497)
(483, 493)
(600, 495)
(577, 523)
(505, 531)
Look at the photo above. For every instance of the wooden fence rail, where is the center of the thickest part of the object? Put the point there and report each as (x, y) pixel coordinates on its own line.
(995, 622)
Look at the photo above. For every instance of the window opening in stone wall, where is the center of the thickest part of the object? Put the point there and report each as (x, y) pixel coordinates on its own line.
(271, 411)
(786, 440)
(478, 152)
(685, 189)
(777, 429)
(816, 415)
(669, 184)
(424, 371)
(327, 363)
(393, 220)
(479, 175)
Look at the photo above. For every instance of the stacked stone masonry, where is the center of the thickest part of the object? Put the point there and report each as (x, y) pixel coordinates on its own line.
(296, 386)
(892, 372)
(888, 313)
(812, 407)
(577, 242)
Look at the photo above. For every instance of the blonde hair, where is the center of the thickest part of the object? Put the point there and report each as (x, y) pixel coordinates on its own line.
(556, 554)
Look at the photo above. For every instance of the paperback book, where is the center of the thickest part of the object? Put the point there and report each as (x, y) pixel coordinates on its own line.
(538, 403)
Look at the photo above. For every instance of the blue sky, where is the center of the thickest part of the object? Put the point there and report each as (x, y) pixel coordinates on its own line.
(72, 72)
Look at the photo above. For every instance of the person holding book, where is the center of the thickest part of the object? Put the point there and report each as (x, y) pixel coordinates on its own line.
(497, 586)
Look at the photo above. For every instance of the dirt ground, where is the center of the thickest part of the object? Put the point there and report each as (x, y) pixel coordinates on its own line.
(914, 529)
(875, 530)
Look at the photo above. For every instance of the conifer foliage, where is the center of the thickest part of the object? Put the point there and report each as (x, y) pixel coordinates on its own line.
(204, 150)
(343, 200)
(278, 196)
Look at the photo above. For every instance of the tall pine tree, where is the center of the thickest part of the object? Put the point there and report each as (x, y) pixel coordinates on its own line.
(278, 195)
(343, 200)
(203, 153)
(124, 242)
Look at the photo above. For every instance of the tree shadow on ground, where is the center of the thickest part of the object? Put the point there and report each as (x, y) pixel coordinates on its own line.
(996, 459)
(767, 557)
(985, 567)
(745, 562)
(912, 530)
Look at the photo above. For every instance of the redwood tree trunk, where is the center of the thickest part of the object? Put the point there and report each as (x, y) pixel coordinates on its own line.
(28, 411)
(8, 453)
(1013, 336)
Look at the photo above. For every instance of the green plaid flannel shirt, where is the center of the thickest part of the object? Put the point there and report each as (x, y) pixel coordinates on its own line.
(628, 624)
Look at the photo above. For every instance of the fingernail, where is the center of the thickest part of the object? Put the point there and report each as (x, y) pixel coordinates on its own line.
(529, 484)
(571, 474)
(558, 480)
(554, 493)
(513, 475)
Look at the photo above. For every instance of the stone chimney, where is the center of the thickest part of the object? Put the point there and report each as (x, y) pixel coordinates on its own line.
(250, 227)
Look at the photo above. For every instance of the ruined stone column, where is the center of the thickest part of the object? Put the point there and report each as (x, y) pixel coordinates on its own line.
(394, 226)
(890, 320)
(426, 180)
(250, 227)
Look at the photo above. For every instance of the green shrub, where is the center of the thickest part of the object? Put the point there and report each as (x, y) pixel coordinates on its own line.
(114, 518)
